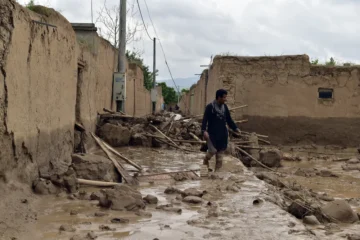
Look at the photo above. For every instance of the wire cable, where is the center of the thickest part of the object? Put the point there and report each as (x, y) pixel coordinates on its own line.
(143, 20)
(162, 49)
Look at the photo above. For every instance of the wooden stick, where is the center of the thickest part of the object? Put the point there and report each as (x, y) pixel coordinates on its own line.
(79, 126)
(261, 164)
(249, 147)
(112, 112)
(117, 165)
(195, 137)
(176, 146)
(168, 122)
(241, 142)
(242, 121)
(264, 141)
(165, 173)
(175, 140)
(122, 157)
(259, 135)
(163, 134)
(97, 183)
(168, 131)
(341, 160)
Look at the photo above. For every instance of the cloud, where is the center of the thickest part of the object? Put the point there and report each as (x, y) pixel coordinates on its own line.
(191, 31)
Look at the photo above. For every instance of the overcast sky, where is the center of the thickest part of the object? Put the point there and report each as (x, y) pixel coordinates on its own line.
(193, 30)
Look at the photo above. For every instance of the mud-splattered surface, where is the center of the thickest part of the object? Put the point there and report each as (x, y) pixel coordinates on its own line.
(233, 217)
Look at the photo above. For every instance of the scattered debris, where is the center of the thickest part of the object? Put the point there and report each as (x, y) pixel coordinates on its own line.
(67, 228)
(120, 220)
(150, 199)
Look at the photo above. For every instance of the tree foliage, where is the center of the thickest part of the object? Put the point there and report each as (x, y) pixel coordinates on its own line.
(331, 62)
(314, 61)
(169, 93)
(185, 90)
(134, 57)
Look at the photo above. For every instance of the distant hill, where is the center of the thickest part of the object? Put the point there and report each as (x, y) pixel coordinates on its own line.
(181, 82)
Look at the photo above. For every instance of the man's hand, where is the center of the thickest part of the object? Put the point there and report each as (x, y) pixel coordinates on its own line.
(206, 136)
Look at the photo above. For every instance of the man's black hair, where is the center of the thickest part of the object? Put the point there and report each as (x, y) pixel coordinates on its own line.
(220, 93)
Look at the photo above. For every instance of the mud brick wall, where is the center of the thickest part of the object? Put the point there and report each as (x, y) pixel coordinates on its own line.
(282, 94)
(41, 96)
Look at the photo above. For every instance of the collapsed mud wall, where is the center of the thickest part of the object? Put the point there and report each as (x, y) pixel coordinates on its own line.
(283, 97)
(48, 81)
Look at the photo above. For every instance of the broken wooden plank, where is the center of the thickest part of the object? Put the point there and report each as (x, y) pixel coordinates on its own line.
(125, 175)
(195, 137)
(164, 175)
(242, 121)
(79, 127)
(167, 123)
(97, 183)
(122, 157)
(163, 134)
(261, 164)
(175, 146)
(249, 147)
(264, 141)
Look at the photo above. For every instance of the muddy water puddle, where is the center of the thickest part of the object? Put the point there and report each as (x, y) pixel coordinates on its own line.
(236, 217)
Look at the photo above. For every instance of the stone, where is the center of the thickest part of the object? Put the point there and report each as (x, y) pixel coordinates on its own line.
(341, 211)
(327, 173)
(150, 199)
(293, 195)
(233, 187)
(106, 228)
(74, 212)
(67, 228)
(44, 187)
(298, 209)
(139, 139)
(70, 181)
(114, 135)
(353, 160)
(96, 196)
(311, 220)
(122, 197)
(192, 199)
(353, 236)
(289, 157)
(76, 237)
(142, 213)
(192, 192)
(172, 190)
(351, 167)
(100, 214)
(271, 179)
(271, 157)
(94, 167)
(91, 235)
(120, 220)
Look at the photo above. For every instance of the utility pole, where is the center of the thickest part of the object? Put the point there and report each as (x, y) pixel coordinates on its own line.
(154, 93)
(120, 75)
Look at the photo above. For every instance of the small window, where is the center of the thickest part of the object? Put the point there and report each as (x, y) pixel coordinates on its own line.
(326, 93)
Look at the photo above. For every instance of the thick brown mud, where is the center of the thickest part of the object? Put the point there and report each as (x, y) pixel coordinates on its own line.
(234, 217)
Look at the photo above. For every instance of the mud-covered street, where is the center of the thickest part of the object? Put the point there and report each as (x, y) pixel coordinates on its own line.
(235, 205)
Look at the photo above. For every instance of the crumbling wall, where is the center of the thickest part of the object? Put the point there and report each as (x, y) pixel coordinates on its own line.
(38, 109)
(282, 94)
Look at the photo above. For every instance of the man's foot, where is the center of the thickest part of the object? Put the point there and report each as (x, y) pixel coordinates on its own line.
(205, 170)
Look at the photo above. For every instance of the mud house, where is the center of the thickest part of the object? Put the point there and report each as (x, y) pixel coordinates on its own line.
(53, 74)
(288, 99)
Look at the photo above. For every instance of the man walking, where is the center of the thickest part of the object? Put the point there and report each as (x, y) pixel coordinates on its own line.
(214, 129)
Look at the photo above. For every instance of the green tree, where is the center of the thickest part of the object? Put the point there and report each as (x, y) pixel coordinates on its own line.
(185, 90)
(134, 57)
(30, 5)
(315, 62)
(331, 62)
(169, 93)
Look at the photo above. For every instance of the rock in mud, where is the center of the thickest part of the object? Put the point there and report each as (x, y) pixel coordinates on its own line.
(341, 211)
(122, 197)
(172, 190)
(96, 196)
(120, 220)
(106, 228)
(353, 237)
(351, 167)
(192, 192)
(150, 199)
(326, 197)
(233, 187)
(298, 209)
(353, 160)
(94, 167)
(327, 173)
(293, 195)
(311, 220)
(142, 213)
(271, 179)
(76, 237)
(114, 135)
(100, 214)
(192, 199)
(139, 139)
(67, 228)
(169, 208)
(91, 236)
(44, 187)
(82, 195)
(303, 172)
(74, 212)
(70, 181)
(271, 157)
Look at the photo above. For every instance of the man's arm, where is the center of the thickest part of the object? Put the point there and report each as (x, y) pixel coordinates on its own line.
(205, 120)
(229, 120)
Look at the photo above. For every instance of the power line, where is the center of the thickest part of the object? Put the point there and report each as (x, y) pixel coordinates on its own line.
(143, 20)
(162, 49)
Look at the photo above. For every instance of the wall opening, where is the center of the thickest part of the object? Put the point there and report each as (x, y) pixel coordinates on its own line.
(326, 93)
(78, 93)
